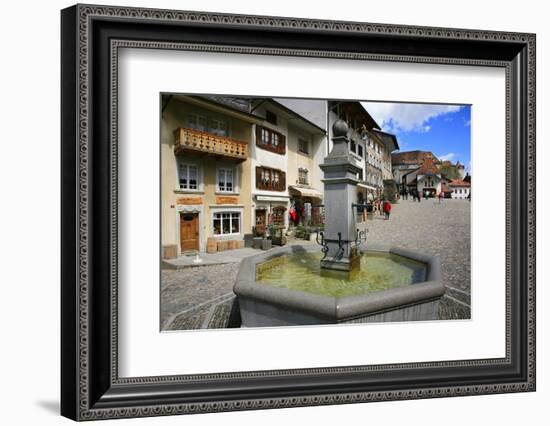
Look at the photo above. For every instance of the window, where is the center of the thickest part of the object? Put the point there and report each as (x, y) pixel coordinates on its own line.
(356, 148)
(302, 176)
(226, 180)
(270, 140)
(197, 122)
(270, 179)
(360, 150)
(227, 223)
(188, 177)
(271, 117)
(218, 127)
(303, 146)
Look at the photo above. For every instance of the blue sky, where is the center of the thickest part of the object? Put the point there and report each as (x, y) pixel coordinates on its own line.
(440, 128)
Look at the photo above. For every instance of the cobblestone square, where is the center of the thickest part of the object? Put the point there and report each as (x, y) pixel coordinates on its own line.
(202, 297)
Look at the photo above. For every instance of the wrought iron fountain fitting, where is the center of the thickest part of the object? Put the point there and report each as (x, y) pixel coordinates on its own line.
(360, 237)
(341, 243)
(322, 243)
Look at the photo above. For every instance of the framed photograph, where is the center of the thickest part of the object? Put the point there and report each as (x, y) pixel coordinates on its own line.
(263, 212)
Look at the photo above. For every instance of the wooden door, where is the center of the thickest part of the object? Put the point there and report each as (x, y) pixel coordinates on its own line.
(189, 231)
(261, 220)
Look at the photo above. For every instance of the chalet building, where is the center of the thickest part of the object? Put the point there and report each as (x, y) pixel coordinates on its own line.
(426, 180)
(405, 162)
(231, 165)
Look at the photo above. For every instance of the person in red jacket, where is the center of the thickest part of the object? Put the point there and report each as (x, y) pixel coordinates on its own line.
(387, 209)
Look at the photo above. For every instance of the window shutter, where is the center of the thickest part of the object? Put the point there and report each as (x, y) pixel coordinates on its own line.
(283, 182)
(282, 144)
(258, 177)
(258, 135)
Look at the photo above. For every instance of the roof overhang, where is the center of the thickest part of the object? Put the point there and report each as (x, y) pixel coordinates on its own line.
(389, 140)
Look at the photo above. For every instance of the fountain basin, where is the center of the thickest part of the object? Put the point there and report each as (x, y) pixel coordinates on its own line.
(265, 301)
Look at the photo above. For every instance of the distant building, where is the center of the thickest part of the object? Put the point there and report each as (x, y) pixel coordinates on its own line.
(426, 180)
(380, 147)
(370, 146)
(405, 162)
(459, 189)
(452, 171)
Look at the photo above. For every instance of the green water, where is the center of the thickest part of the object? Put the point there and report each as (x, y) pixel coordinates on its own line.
(378, 271)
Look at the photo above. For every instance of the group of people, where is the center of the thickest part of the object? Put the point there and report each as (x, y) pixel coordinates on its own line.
(413, 193)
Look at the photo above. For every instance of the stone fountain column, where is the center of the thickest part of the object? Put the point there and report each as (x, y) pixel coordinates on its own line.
(340, 180)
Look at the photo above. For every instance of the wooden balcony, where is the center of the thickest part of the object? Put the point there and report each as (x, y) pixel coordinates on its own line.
(196, 142)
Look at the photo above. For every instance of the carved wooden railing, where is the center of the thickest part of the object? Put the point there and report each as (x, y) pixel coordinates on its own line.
(196, 140)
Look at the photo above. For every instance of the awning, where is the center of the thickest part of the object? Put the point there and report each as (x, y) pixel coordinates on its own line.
(364, 185)
(307, 192)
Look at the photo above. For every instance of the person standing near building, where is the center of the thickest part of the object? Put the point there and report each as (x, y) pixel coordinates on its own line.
(387, 209)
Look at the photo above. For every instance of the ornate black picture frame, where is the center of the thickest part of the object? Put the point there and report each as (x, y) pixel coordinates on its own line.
(91, 36)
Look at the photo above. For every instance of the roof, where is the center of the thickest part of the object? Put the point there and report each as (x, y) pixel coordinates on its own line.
(458, 182)
(428, 167)
(444, 188)
(231, 104)
(246, 106)
(411, 157)
(389, 140)
(234, 102)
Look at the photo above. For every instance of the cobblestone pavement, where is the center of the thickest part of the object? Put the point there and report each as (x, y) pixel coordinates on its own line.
(202, 296)
(191, 292)
(440, 229)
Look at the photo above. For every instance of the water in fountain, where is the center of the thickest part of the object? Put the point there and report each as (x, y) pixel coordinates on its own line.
(378, 271)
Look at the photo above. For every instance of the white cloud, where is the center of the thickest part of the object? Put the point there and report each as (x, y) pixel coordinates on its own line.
(450, 156)
(402, 117)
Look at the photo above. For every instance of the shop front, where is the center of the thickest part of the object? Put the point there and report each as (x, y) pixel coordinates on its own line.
(306, 207)
(269, 210)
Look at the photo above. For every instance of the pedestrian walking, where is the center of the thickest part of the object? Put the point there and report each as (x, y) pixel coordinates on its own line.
(387, 209)
(440, 196)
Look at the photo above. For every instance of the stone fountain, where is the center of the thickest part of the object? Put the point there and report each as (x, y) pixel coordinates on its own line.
(344, 282)
(340, 238)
